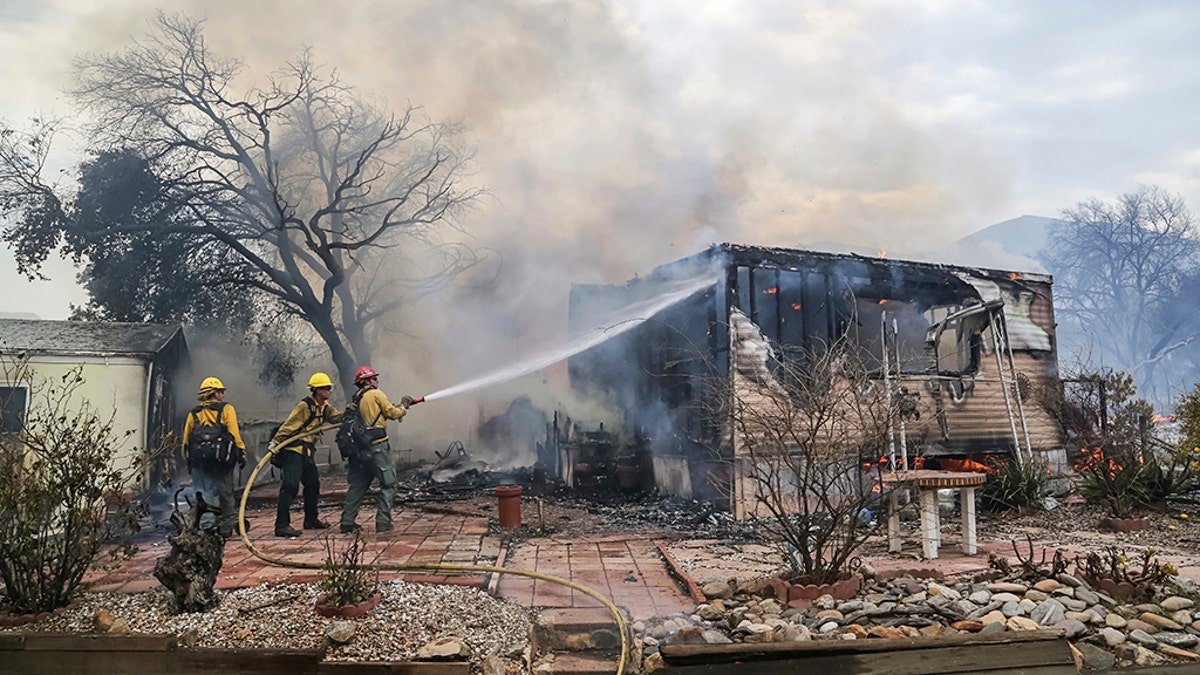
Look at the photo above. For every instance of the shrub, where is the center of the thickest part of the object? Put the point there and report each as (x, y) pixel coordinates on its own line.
(804, 430)
(1115, 480)
(1015, 483)
(62, 500)
(344, 577)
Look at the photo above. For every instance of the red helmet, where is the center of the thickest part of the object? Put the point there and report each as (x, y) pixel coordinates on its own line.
(365, 373)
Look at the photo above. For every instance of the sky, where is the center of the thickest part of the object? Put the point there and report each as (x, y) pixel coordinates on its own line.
(897, 125)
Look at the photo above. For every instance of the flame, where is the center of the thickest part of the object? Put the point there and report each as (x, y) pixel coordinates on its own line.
(968, 465)
(1014, 275)
(883, 302)
(771, 291)
(796, 306)
(882, 253)
(1095, 458)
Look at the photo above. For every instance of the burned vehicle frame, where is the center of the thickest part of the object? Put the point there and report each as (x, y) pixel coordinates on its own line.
(961, 350)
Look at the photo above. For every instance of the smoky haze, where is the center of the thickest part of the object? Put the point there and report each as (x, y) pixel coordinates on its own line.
(616, 136)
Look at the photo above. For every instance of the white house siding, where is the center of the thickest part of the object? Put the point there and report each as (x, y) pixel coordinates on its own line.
(113, 385)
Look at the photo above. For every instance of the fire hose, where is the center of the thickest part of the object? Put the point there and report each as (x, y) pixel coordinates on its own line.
(622, 627)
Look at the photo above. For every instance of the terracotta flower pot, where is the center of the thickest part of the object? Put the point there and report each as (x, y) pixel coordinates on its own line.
(1121, 590)
(802, 595)
(1125, 524)
(328, 609)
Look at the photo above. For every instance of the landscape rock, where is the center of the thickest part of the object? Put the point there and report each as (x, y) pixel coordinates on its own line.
(448, 648)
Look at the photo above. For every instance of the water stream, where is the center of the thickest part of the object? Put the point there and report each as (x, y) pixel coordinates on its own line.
(610, 326)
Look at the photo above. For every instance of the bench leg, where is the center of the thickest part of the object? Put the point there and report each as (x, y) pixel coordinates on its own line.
(967, 499)
(930, 524)
(894, 521)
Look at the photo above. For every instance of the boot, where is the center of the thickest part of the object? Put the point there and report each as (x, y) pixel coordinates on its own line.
(287, 531)
(350, 529)
(315, 524)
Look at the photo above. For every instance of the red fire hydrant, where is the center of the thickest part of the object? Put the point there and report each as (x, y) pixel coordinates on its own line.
(509, 498)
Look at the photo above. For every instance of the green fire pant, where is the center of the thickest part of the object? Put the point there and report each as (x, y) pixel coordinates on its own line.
(298, 469)
(360, 474)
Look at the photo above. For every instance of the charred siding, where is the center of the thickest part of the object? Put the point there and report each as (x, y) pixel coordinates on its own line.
(660, 373)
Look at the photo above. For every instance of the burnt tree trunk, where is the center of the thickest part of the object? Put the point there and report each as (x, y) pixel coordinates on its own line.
(190, 569)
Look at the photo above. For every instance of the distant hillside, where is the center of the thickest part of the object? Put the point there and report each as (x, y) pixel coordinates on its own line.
(1024, 236)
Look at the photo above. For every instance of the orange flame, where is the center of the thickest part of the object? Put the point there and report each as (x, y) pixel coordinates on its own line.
(796, 306)
(882, 253)
(771, 291)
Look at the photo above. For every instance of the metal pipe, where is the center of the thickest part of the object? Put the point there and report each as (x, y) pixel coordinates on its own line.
(899, 369)
(887, 390)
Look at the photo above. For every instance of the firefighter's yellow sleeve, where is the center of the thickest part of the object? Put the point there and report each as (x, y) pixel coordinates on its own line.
(376, 409)
(187, 431)
(294, 424)
(229, 419)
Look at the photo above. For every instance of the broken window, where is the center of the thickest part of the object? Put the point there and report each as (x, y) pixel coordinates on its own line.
(958, 340)
(12, 409)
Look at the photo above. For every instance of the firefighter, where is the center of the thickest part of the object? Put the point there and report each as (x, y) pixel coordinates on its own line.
(212, 446)
(297, 460)
(375, 410)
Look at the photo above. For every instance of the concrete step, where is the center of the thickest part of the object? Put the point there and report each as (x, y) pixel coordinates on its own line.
(558, 630)
(570, 663)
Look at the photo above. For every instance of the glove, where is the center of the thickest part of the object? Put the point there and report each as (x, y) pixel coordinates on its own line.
(270, 447)
(406, 400)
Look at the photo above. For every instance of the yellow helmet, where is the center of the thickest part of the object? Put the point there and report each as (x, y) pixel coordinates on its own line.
(319, 380)
(209, 385)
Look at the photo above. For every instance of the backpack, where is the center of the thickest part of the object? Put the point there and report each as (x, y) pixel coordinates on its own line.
(211, 446)
(353, 438)
(277, 458)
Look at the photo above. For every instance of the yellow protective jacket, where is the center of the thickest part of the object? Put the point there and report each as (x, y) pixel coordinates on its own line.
(376, 410)
(301, 419)
(208, 415)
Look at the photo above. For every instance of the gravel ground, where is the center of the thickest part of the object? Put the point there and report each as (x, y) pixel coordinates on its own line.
(408, 617)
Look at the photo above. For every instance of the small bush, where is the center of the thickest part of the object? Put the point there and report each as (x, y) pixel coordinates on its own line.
(1169, 474)
(1117, 481)
(62, 500)
(345, 579)
(1015, 484)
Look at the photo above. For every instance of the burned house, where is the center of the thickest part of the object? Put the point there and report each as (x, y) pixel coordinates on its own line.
(129, 370)
(961, 352)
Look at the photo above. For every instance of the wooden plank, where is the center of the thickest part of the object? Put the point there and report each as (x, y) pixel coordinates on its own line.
(11, 641)
(1035, 658)
(742, 651)
(393, 668)
(93, 663)
(247, 661)
(1165, 669)
(87, 642)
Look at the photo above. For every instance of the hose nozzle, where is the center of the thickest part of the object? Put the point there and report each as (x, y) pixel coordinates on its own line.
(419, 399)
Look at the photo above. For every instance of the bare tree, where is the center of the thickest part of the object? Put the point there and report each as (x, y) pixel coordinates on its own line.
(330, 206)
(1125, 275)
(801, 435)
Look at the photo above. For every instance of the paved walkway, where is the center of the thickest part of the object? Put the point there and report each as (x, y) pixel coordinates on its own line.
(628, 568)
(647, 573)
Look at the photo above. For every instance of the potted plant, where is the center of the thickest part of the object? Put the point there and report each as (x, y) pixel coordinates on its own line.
(351, 589)
(801, 433)
(1116, 481)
